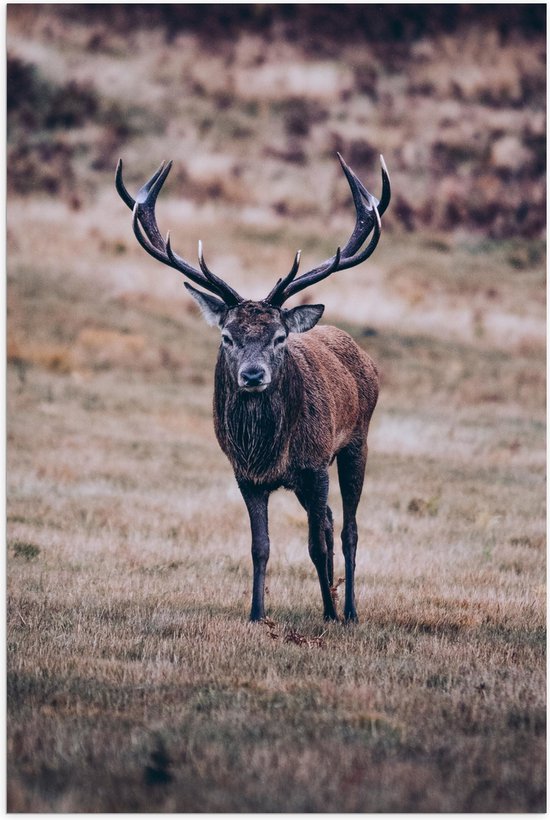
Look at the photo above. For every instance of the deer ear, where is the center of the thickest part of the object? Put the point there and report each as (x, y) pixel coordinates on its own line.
(213, 309)
(300, 319)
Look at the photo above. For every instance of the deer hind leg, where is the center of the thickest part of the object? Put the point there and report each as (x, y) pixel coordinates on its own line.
(329, 536)
(351, 473)
(312, 495)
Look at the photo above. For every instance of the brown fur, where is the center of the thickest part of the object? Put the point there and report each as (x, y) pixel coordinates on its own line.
(340, 393)
(322, 401)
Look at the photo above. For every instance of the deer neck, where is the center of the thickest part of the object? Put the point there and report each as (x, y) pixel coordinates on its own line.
(254, 429)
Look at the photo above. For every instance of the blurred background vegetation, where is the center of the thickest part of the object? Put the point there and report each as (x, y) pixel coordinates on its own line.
(253, 101)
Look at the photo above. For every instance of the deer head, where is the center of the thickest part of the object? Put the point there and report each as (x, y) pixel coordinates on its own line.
(254, 333)
(254, 336)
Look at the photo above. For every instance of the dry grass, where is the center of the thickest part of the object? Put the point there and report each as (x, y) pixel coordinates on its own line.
(135, 682)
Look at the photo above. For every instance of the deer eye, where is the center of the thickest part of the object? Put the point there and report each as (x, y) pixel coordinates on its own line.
(227, 340)
(278, 340)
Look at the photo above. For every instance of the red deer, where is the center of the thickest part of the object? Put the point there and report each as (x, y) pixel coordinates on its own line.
(289, 397)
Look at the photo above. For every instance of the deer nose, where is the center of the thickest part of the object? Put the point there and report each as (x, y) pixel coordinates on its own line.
(251, 376)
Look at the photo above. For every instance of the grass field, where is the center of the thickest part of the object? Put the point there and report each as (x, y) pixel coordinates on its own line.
(135, 682)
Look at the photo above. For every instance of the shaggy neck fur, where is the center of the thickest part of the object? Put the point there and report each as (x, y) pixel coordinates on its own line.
(254, 429)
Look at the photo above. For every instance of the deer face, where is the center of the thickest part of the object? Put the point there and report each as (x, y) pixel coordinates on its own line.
(254, 336)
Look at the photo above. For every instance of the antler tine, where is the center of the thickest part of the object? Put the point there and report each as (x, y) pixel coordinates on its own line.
(386, 188)
(309, 278)
(356, 185)
(362, 200)
(146, 230)
(121, 188)
(153, 185)
(230, 296)
(209, 281)
(367, 219)
(337, 263)
(146, 200)
(361, 256)
(141, 196)
(169, 257)
(281, 284)
(143, 239)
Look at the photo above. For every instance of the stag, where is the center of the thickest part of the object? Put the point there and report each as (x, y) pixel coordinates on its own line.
(289, 397)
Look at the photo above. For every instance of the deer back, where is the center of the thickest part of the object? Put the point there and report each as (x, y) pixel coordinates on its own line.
(340, 392)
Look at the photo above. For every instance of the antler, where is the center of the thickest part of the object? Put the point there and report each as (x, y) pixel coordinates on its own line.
(368, 212)
(145, 227)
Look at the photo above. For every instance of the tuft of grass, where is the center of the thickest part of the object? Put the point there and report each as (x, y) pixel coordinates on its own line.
(421, 506)
(26, 550)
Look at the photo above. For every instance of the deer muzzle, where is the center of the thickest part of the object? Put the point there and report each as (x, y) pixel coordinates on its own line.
(253, 379)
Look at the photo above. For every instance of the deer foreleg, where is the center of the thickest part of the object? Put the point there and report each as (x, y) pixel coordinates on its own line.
(256, 500)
